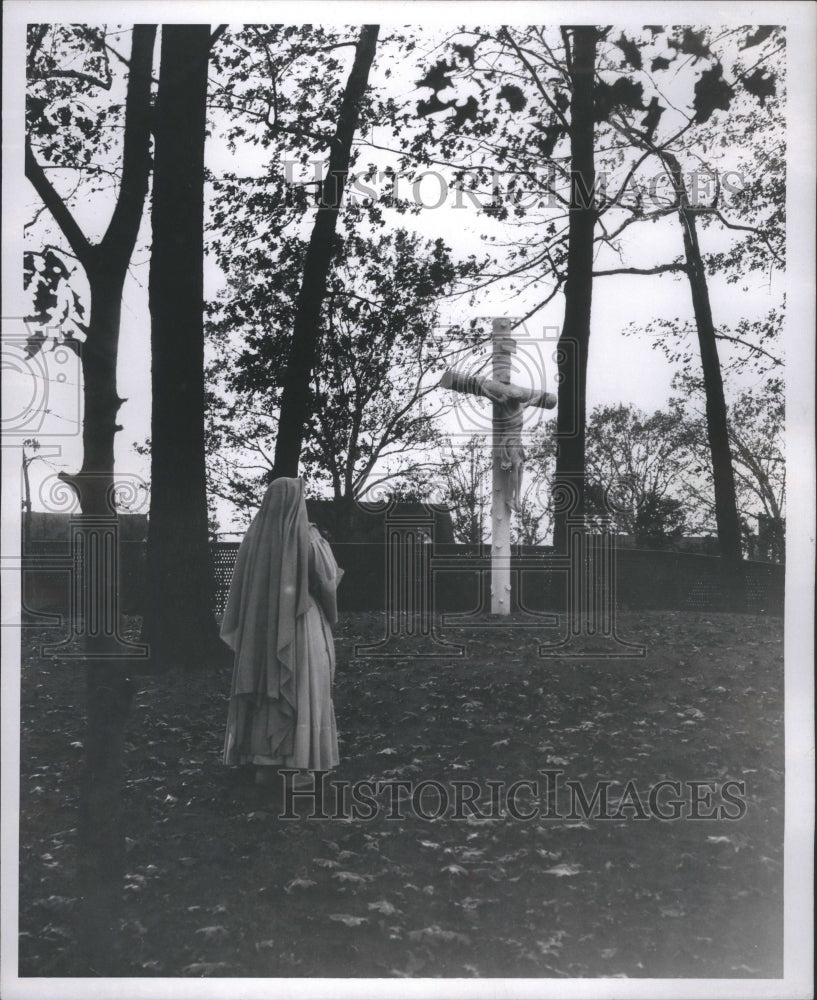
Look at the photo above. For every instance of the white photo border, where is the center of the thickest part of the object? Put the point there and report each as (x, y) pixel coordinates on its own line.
(800, 20)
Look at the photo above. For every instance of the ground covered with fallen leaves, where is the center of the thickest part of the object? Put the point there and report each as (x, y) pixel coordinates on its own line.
(218, 884)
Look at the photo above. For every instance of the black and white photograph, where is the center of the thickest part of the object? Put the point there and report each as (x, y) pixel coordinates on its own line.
(408, 499)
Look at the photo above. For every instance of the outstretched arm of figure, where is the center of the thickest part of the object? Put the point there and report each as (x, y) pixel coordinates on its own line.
(497, 392)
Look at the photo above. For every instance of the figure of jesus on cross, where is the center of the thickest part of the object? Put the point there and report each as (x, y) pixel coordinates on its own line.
(509, 406)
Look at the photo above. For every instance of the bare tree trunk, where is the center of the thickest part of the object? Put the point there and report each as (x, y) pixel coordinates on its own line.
(179, 624)
(100, 864)
(296, 396)
(726, 505)
(575, 337)
(94, 481)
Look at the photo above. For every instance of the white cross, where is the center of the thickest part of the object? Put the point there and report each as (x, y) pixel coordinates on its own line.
(509, 402)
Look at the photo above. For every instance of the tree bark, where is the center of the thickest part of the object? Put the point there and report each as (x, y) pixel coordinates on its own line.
(296, 395)
(100, 863)
(726, 505)
(575, 335)
(179, 625)
(94, 481)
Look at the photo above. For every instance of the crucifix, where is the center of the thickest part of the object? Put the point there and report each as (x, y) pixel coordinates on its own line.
(509, 403)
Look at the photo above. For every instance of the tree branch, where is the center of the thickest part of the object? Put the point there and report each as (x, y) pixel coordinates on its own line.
(72, 74)
(734, 225)
(58, 209)
(752, 347)
(123, 60)
(505, 33)
(658, 269)
(120, 236)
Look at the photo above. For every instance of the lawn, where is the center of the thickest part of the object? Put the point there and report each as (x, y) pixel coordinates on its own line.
(218, 884)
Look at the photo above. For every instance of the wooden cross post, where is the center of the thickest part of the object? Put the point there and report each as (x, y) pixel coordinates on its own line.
(509, 403)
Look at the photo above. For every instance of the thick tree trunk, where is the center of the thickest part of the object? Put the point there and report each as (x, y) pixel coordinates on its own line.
(180, 625)
(575, 337)
(100, 862)
(726, 505)
(94, 481)
(296, 396)
(101, 857)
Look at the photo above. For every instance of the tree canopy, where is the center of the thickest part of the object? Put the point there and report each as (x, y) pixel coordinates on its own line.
(489, 108)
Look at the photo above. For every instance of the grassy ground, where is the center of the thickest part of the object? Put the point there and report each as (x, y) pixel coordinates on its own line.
(219, 885)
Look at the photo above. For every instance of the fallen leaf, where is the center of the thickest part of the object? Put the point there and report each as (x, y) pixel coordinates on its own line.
(454, 870)
(563, 870)
(215, 933)
(436, 933)
(350, 921)
(384, 906)
(299, 883)
(204, 968)
(352, 877)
